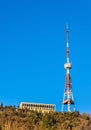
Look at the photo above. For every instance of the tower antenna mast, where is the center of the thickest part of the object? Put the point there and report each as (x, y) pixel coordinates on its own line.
(68, 99)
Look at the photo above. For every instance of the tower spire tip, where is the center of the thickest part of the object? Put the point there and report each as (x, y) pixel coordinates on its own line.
(67, 26)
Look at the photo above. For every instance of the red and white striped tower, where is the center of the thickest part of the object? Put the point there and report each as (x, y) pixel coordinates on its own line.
(68, 100)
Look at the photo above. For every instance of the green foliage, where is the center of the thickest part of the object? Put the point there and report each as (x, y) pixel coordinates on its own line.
(1, 105)
(85, 116)
(49, 121)
(35, 117)
(17, 119)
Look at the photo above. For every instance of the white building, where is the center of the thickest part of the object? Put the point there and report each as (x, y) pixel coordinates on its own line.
(37, 106)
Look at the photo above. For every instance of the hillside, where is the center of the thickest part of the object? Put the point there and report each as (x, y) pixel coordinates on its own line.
(12, 119)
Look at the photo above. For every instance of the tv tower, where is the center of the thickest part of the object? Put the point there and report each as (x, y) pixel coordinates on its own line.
(68, 101)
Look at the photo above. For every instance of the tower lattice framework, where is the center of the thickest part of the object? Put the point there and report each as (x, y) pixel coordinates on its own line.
(68, 100)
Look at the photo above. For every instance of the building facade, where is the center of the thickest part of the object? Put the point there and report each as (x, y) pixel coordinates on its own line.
(38, 107)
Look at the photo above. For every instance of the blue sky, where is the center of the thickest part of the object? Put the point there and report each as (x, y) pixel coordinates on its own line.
(32, 51)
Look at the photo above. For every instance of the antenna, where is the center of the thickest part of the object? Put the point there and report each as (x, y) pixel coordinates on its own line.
(68, 100)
